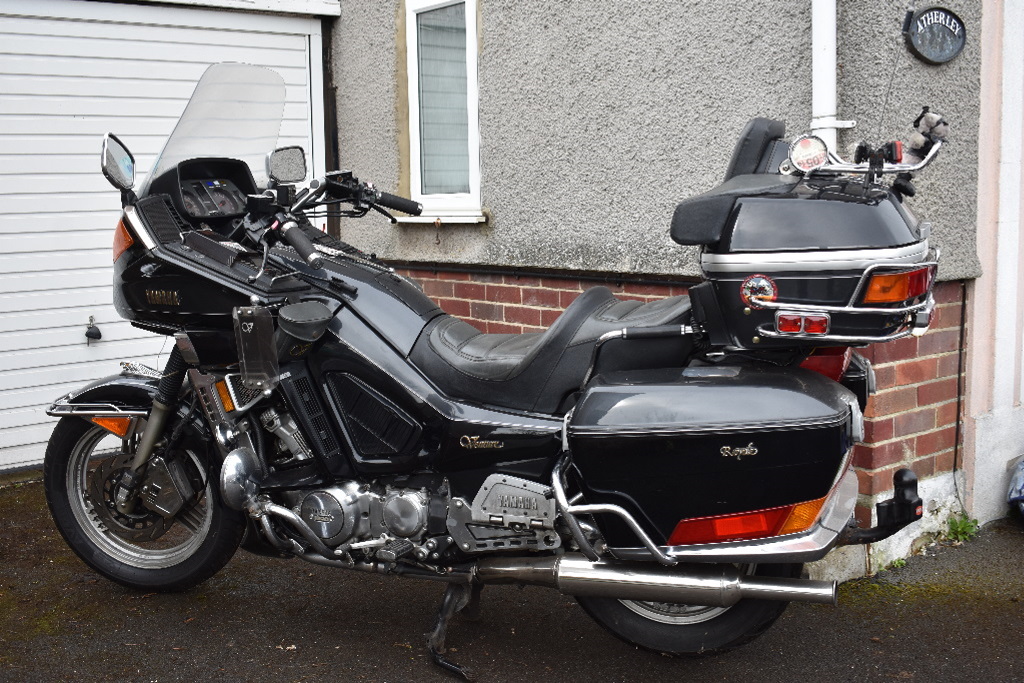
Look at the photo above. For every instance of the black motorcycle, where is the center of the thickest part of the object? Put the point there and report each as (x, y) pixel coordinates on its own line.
(671, 464)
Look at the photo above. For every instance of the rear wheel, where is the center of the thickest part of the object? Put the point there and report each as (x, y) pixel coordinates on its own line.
(678, 629)
(143, 549)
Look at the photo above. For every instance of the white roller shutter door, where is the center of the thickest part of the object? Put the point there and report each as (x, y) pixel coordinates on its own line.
(69, 72)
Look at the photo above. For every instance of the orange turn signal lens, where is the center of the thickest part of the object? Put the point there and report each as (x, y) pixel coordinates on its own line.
(788, 519)
(116, 425)
(801, 517)
(122, 239)
(889, 288)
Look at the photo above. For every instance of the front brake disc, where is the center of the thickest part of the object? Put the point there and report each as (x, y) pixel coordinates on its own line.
(136, 527)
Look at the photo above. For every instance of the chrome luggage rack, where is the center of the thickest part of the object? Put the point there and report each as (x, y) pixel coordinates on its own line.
(918, 314)
(837, 165)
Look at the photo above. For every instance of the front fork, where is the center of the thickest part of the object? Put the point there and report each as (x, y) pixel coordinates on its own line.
(165, 403)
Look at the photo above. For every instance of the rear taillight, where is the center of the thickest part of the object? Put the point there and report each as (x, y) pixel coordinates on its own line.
(744, 526)
(122, 239)
(802, 323)
(890, 288)
(831, 362)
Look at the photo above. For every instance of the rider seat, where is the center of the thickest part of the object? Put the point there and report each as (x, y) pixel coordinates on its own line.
(538, 371)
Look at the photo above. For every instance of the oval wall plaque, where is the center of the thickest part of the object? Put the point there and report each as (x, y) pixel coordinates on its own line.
(935, 35)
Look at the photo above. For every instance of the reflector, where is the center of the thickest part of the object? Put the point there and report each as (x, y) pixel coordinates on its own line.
(788, 519)
(789, 323)
(816, 324)
(117, 425)
(225, 396)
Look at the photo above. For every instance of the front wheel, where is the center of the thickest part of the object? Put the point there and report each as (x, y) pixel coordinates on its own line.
(678, 629)
(144, 549)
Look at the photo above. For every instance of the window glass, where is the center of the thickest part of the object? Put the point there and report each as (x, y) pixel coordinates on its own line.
(443, 112)
(444, 131)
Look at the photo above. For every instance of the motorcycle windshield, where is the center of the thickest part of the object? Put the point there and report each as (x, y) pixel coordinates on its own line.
(235, 113)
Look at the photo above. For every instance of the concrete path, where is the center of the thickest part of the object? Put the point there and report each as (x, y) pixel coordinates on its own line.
(956, 614)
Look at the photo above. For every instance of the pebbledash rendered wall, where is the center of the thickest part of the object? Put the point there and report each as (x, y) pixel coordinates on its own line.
(597, 118)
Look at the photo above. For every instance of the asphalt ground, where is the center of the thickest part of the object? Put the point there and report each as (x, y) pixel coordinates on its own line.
(953, 614)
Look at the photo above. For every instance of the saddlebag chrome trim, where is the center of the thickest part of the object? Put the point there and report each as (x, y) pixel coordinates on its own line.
(696, 428)
(814, 261)
(808, 546)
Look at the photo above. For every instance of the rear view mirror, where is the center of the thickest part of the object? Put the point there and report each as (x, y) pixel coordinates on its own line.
(287, 165)
(117, 163)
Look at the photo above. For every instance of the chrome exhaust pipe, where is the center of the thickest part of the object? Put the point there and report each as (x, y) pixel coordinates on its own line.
(715, 585)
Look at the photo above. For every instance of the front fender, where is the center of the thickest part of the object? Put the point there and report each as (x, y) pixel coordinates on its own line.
(117, 395)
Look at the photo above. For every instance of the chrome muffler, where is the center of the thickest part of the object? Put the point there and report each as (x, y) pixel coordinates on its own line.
(716, 585)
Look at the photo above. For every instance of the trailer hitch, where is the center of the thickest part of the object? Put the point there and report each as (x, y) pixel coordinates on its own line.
(902, 509)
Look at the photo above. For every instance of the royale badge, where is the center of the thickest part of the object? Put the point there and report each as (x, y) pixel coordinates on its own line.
(738, 452)
(758, 287)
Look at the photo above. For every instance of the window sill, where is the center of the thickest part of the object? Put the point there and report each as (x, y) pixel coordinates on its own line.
(443, 219)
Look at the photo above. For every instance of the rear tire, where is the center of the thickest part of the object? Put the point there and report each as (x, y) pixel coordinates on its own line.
(690, 630)
(82, 464)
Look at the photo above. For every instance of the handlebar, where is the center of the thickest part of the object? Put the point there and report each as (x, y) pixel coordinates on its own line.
(837, 165)
(294, 236)
(397, 203)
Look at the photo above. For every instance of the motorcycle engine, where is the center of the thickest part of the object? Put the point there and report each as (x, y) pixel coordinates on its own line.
(352, 513)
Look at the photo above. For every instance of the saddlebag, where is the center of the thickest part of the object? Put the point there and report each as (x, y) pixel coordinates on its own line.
(670, 445)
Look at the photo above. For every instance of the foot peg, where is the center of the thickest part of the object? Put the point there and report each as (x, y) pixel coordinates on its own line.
(903, 508)
(392, 551)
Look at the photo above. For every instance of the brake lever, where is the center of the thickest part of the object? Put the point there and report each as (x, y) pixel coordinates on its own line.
(384, 213)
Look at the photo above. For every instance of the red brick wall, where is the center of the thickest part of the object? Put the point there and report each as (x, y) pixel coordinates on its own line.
(911, 420)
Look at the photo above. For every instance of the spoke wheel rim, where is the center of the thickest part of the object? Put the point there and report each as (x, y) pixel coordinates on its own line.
(82, 466)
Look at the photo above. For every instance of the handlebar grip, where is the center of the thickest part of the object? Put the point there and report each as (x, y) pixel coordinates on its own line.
(397, 203)
(294, 236)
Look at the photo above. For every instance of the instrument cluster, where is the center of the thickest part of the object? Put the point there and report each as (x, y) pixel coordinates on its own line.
(216, 197)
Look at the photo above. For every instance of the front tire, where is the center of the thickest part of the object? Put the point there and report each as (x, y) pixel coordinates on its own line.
(144, 550)
(680, 630)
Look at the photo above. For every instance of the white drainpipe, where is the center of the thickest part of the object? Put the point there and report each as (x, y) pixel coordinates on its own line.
(823, 73)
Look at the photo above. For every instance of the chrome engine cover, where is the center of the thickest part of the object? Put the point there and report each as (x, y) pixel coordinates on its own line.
(352, 513)
(337, 514)
(404, 512)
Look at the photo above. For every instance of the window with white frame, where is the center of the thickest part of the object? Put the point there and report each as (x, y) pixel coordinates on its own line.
(444, 138)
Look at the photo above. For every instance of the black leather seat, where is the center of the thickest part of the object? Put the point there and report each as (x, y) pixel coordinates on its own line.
(537, 371)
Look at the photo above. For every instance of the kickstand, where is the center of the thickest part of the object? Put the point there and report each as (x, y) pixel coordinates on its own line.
(456, 597)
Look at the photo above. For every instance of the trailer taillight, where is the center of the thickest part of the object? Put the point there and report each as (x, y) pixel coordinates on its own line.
(890, 288)
(122, 239)
(743, 526)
